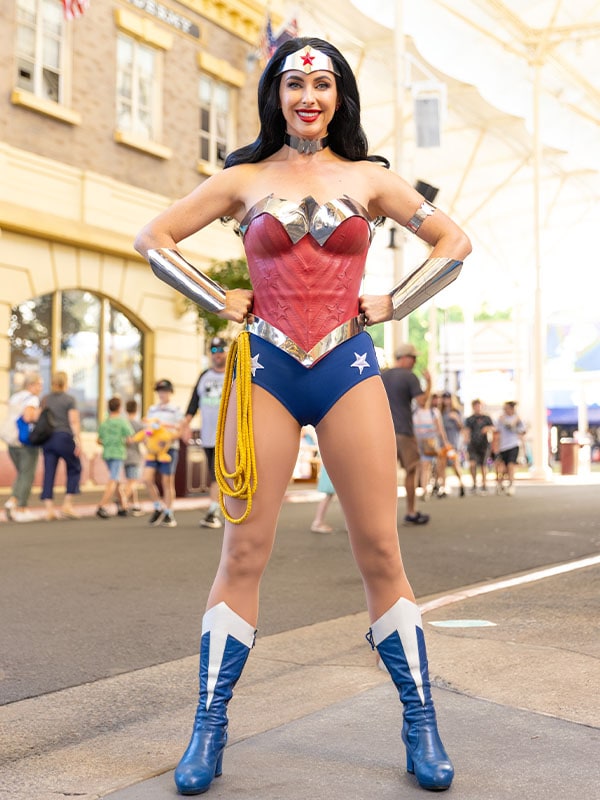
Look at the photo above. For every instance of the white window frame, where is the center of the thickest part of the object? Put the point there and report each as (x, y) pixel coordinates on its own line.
(62, 70)
(212, 164)
(135, 132)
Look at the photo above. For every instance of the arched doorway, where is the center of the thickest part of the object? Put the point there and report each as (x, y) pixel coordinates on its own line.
(97, 343)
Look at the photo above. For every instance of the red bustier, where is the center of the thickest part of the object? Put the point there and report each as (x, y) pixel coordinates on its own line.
(306, 263)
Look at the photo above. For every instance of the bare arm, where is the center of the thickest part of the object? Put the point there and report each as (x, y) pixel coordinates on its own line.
(75, 425)
(31, 413)
(217, 197)
(214, 198)
(440, 427)
(395, 198)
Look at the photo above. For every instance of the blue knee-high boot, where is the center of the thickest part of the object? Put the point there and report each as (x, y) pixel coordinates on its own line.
(398, 637)
(226, 642)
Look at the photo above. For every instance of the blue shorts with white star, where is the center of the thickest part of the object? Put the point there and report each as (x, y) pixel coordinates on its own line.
(309, 393)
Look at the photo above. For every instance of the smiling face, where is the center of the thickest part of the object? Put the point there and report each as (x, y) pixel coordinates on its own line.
(308, 102)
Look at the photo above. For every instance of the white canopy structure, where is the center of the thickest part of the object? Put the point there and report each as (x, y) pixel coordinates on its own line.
(517, 89)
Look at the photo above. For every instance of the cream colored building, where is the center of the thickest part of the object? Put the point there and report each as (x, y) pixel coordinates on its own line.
(104, 120)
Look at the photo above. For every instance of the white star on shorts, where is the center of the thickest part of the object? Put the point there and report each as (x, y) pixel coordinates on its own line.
(255, 365)
(361, 362)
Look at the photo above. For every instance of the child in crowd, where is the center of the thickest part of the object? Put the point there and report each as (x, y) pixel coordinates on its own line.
(171, 417)
(133, 461)
(113, 435)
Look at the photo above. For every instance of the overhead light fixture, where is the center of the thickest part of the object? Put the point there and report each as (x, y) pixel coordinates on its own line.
(428, 191)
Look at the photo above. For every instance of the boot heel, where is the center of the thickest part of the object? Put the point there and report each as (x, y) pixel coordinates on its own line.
(219, 765)
(410, 764)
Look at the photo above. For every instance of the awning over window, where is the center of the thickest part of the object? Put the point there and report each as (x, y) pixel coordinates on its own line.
(567, 415)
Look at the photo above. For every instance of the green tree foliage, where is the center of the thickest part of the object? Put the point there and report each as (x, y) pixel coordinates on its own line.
(485, 314)
(419, 332)
(232, 274)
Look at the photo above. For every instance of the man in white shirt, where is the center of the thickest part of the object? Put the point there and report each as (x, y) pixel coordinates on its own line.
(24, 403)
(510, 430)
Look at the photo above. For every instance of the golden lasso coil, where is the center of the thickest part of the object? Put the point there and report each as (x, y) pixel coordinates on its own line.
(242, 482)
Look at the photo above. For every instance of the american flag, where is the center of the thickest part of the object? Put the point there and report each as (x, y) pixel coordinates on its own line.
(269, 42)
(74, 8)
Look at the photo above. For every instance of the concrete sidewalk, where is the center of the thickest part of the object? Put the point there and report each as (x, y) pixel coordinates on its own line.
(346, 752)
(519, 710)
(87, 501)
(313, 716)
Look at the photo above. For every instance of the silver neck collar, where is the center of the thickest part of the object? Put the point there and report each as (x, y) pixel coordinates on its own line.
(306, 147)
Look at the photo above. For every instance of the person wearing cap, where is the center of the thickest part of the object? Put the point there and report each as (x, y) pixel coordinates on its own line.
(305, 357)
(170, 416)
(402, 387)
(206, 398)
(510, 429)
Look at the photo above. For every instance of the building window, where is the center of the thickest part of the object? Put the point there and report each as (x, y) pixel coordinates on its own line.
(139, 88)
(40, 48)
(215, 105)
(30, 334)
(99, 347)
(123, 352)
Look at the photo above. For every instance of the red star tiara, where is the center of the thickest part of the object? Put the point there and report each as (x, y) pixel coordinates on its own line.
(308, 60)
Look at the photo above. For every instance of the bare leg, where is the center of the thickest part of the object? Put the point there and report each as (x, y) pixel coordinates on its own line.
(372, 526)
(168, 482)
(122, 495)
(484, 474)
(148, 479)
(50, 510)
(456, 469)
(247, 547)
(425, 467)
(318, 524)
(67, 506)
(473, 468)
(410, 483)
(441, 465)
(108, 492)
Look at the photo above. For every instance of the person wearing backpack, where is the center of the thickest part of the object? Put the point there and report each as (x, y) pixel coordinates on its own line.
(24, 404)
(62, 444)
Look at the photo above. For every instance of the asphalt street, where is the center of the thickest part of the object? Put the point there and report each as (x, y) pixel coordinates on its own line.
(105, 616)
(93, 598)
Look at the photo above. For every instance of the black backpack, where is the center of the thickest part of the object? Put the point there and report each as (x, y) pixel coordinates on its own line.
(43, 428)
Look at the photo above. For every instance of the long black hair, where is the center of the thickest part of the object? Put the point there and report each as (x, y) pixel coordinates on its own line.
(346, 135)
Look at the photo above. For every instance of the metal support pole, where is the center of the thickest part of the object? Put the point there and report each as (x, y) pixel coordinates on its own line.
(540, 468)
(399, 329)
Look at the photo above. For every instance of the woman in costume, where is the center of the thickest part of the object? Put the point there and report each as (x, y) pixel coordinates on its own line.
(306, 199)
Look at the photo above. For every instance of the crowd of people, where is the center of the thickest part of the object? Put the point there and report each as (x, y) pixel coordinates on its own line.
(434, 441)
(119, 436)
(433, 437)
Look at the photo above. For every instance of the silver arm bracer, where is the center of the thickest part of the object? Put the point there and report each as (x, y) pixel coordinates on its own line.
(418, 218)
(423, 283)
(172, 268)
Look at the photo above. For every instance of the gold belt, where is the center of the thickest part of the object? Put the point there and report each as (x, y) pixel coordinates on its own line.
(268, 332)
